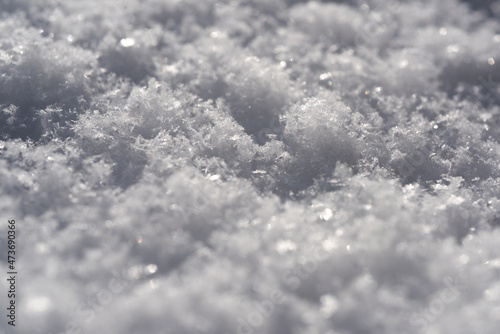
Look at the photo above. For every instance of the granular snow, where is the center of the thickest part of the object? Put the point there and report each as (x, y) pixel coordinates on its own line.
(285, 166)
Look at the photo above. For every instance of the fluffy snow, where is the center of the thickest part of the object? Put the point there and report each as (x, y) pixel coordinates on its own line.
(230, 166)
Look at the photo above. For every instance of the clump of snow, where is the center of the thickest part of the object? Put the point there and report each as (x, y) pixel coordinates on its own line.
(252, 166)
(43, 81)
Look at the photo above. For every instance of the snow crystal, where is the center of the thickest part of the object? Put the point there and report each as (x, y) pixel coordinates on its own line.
(252, 166)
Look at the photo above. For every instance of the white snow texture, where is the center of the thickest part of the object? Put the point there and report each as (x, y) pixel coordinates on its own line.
(248, 167)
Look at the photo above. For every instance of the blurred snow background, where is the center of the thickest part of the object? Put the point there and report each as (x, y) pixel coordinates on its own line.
(284, 166)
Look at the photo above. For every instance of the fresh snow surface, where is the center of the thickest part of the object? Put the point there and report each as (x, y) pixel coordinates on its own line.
(251, 167)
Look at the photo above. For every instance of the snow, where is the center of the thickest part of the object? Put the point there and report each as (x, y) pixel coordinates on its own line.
(285, 166)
